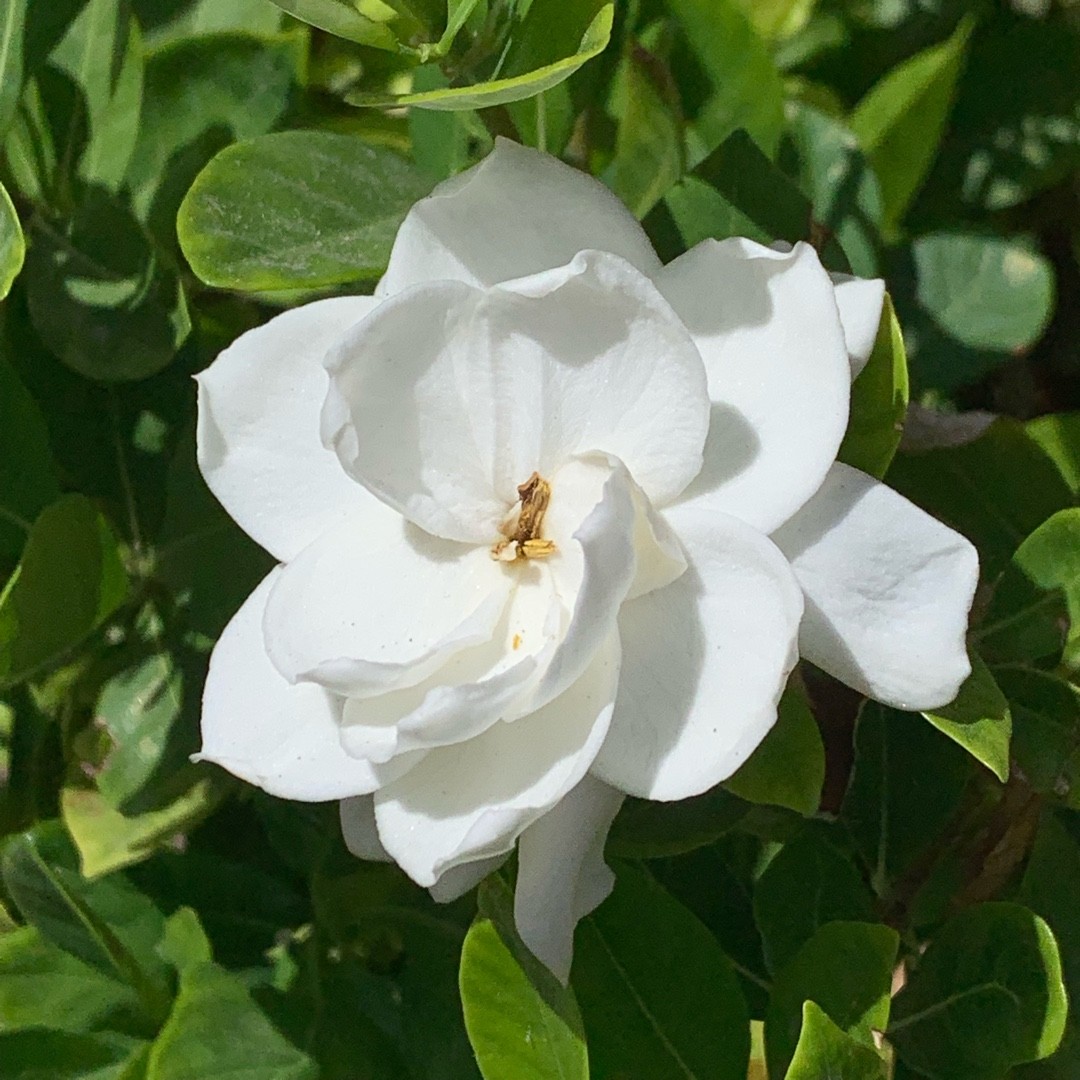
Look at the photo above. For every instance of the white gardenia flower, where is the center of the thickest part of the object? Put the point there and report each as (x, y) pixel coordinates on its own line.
(555, 522)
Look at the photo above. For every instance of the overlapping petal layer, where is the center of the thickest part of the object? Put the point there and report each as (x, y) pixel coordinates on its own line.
(258, 435)
(888, 589)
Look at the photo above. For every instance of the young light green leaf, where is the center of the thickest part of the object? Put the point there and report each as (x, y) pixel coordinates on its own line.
(846, 968)
(879, 400)
(522, 80)
(825, 1050)
(216, 1030)
(299, 209)
(788, 767)
(901, 120)
(986, 292)
(69, 581)
(809, 883)
(979, 719)
(521, 1021)
(27, 479)
(102, 297)
(639, 958)
(340, 17)
(986, 995)
(746, 92)
(12, 243)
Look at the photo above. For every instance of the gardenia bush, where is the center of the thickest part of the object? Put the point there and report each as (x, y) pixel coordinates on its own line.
(538, 540)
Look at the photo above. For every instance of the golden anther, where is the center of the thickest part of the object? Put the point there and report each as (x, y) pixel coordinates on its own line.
(522, 528)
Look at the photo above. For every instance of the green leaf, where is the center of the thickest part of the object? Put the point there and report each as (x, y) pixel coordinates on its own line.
(204, 17)
(901, 120)
(184, 945)
(521, 1021)
(746, 89)
(216, 1030)
(341, 17)
(986, 995)
(102, 297)
(907, 783)
(530, 67)
(879, 400)
(649, 142)
(27, 481)
(986, 292)
(979, 719)
(202, 94)
(846, 968)
(300, 209)
(825, 1050)
(1050, 886)
(58, 1055)
(1046, 730)
(12, 243)
(69, 581)
(108, 926)
(102, 55)
(652, 830)
(444, 143)
(1058, 435)
(43, 986)
(788, 767)
(995, 490)
(640, 957)
(807, 884)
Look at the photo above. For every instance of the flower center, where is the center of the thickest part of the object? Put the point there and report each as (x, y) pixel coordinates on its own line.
(521, 530)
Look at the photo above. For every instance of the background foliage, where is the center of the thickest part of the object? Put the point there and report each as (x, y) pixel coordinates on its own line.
(874, 894)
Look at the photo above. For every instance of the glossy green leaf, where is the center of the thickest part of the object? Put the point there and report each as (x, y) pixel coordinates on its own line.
(996, 490)
(846, 968)
(69, 581)
(986, 995)
(201, 94)
(979, 719)
(521, 1021)
(788, 767)
(825, 1051)
(102, 297)
(101, 54)
(746, 91)
(517, 84)
(1049, 888)
(651, 830)
(639, 958)
(301, 209)
(808, 883)
(901, 120)
(43, 986)
(216, 1030)
(12, 243)
(341, 17)
(907, 783)
(879, 400)
(649, 143)
(985, 292)
(445, 143)
(27, 480)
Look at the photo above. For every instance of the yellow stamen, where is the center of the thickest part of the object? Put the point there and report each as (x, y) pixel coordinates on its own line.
(521, 529)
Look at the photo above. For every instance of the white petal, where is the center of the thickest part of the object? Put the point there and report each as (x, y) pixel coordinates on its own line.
(859, 301)
(376, 604)
(705, 661)
(282, 738)
(448, 397)
(767, 326)
(516, 213)
(458, 880)
(472, 800)
(258, 435)
(359, 831)
(562, 875)
(473, 689)
(888, 590)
